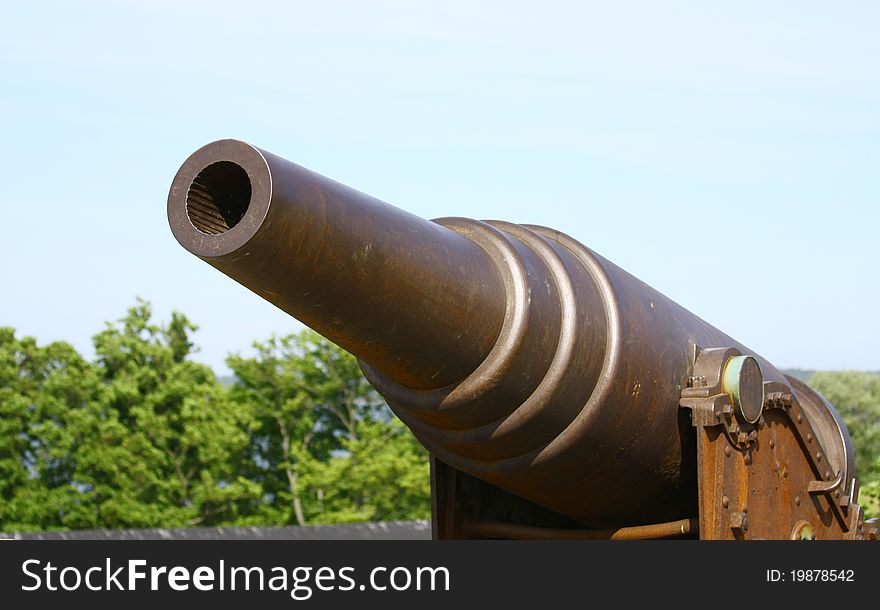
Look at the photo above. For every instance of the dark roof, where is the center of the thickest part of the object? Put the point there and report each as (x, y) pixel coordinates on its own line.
(386, 530)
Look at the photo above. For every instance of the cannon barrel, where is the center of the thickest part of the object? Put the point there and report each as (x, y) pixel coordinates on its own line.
(343, 263)
(514, 353)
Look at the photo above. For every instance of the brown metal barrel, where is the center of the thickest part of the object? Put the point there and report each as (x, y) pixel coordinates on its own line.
(513, 352)
(422, 303)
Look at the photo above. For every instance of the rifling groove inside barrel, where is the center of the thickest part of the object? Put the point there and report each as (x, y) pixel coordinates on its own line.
(218, 198)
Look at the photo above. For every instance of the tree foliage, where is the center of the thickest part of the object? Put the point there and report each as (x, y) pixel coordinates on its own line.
(143, 436)
(171, 440)
(46, 394)
(856, 395)
(325, 446)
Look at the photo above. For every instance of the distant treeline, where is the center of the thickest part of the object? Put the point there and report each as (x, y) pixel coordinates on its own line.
(143, 436)
(804, 375)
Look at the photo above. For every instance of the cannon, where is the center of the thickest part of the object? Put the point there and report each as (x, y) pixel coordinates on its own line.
(558, 395)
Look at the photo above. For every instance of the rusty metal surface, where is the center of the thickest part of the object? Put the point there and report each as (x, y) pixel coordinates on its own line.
(767, 485)
(514, 353)
(768, 475)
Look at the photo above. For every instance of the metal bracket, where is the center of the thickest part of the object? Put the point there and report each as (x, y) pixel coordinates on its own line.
(710, 404)
(728, 486)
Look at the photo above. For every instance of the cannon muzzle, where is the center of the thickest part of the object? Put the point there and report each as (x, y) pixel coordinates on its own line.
(516, 355)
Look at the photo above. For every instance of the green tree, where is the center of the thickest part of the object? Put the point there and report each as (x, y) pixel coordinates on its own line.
(145, 437)
(322, 440)
(142, 437)
(172, 443)
(45, 393)
(381, 474)
(856, 395)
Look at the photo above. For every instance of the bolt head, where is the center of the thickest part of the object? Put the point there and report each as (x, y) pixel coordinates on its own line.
(739, 521)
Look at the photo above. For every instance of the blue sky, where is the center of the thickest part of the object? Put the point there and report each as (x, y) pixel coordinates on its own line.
(725, 153)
